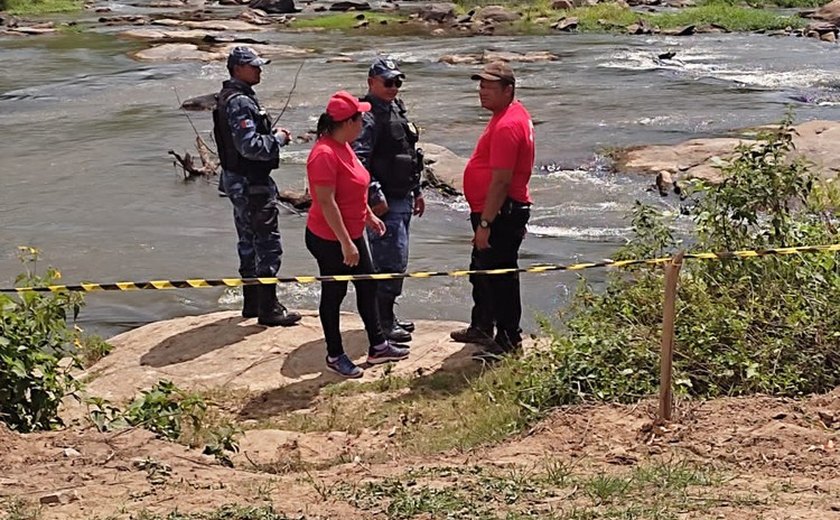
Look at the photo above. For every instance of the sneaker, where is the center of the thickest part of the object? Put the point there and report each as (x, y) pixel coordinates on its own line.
(343, 366)
(472, 335)
(389, 352)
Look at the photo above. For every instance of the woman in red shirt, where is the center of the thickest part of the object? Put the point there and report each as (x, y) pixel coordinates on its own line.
(335, 231)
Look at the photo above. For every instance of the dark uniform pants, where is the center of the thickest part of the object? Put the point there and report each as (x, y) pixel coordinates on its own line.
(255, 215)
(496, 298)
(390, 251)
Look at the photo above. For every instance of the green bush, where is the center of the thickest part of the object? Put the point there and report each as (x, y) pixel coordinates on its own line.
(36, 350)
(173, 414)
(769, 324)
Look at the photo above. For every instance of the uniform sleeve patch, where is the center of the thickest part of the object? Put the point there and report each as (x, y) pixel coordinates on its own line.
(246, 123)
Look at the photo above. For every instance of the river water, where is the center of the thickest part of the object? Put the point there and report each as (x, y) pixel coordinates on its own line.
(86, 176)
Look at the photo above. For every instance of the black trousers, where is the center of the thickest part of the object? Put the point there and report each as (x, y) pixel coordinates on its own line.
(496, 298)
(330, 262)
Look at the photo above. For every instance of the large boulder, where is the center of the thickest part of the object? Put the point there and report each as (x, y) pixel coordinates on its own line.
(438, 13)
(351, 5)
(830, 12)
(223, 350)
(444, 169)
(275, 6)
(496, 13)
(701, 158)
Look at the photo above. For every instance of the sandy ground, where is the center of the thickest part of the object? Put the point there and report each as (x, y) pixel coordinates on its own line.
(781, 452)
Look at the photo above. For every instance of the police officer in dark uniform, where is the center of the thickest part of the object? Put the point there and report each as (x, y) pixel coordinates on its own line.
(387, 148)
(248, 150)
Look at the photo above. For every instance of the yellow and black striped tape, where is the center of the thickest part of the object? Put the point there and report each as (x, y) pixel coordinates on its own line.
(537, 268)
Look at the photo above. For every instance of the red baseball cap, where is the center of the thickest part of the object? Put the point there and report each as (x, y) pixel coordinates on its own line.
(344, 105)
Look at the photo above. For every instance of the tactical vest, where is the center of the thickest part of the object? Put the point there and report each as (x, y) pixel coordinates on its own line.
(393, 159)
(257, 172)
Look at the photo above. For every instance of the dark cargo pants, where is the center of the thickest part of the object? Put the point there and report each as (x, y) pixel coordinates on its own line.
(255, 216)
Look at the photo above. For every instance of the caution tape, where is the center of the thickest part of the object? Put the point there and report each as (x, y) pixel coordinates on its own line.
(197, 283)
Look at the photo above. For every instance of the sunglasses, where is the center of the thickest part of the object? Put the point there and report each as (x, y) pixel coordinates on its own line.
(392, 82)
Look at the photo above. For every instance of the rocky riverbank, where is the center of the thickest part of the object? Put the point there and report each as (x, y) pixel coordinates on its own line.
(815, 141)
(641, 17)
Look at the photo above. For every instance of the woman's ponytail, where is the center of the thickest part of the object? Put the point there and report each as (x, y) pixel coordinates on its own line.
(326, 125)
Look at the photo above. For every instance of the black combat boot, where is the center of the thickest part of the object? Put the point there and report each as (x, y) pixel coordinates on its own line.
(251, 301)
(390, 328)
(272, 312)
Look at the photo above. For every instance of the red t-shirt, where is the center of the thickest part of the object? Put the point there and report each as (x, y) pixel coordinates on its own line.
(334, 164)
(506, 144)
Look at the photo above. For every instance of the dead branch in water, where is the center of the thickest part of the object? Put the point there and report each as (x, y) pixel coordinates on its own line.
(209, 166)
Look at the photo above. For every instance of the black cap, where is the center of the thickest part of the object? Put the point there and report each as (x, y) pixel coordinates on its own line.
(245, 56)
(386, 67)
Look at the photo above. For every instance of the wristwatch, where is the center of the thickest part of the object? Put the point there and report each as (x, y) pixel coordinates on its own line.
(484, 224)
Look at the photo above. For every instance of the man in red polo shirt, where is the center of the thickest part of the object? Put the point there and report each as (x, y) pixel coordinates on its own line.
(496, 187)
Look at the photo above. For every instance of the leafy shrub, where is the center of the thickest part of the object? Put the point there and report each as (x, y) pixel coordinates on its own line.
(164, 409)
(768, 324)
(36, 350)
(173, 414)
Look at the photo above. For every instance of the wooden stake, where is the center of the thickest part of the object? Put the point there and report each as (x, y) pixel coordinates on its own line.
(672, 276)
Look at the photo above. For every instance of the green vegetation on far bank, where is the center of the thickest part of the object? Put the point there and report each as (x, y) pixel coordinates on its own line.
(544, 6)
(37, 7)
(604, 17)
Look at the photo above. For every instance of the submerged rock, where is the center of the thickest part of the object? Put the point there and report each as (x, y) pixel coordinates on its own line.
(489, 56)
(214, 52)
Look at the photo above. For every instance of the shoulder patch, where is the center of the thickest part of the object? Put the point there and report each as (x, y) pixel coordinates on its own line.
(246, 123)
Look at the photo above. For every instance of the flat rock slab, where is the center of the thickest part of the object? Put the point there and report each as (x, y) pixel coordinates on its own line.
(214, 52)
(223, 350)
(490, 56)
(189, 35)
(209, 25)
(816, 141)
(178, 52)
